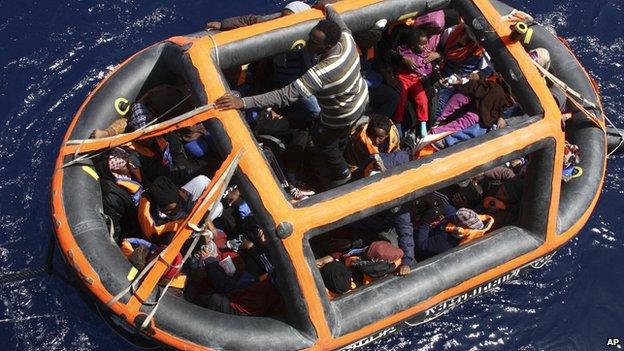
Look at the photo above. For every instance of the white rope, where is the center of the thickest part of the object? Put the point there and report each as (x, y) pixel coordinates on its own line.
(620, 133)
(216, 48)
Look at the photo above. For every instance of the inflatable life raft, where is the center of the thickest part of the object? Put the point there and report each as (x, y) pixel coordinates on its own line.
(552, 212)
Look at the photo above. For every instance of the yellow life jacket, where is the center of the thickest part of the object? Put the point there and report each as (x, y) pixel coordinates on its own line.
(468, 235)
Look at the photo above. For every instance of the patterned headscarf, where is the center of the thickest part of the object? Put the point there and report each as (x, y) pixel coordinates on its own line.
(118, 159)
(139, 117)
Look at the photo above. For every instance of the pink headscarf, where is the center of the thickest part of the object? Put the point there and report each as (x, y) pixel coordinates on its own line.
(433, 19)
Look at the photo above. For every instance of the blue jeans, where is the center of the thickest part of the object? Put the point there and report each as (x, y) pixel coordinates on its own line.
(473, 131)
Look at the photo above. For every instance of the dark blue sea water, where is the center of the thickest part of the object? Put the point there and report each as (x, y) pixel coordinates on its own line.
(52, 53)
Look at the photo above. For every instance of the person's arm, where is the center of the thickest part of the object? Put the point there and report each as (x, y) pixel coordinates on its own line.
(285, 96)
(244, 21)
(405, 232)
(332, 15)
(430, 244)
(115, 128)
(220, 281)
(500, 173)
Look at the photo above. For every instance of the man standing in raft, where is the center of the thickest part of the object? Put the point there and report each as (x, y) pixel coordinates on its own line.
(337, 84)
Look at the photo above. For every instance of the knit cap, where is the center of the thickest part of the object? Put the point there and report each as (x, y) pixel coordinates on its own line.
(337, 277)
(163, 191)
(467, 218)
(383, 251)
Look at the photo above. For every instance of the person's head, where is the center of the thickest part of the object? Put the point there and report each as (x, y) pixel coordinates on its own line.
(510, 191)
(432, 22)
(323, 37)
(383, 251)
(337, 277)
(541, 56)
(294, 7)
(139, 116)
(417, 40)
(367, 39)
(165, 195)
(119, 162)
(467, 218)
(378, 129)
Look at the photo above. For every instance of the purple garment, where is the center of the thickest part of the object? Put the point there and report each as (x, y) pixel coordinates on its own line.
(464, 121)
(433, 19)
(422, 68)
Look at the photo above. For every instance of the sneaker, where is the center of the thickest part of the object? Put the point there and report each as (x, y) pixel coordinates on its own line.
(300, 194)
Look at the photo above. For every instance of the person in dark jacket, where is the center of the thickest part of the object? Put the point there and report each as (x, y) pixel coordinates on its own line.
(248, 20)
(121, 189)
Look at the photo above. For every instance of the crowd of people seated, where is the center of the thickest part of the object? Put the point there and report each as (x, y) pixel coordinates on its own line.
(344, 107)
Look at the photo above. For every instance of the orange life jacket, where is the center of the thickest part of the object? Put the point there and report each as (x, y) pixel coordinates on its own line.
(456, 52)
(161, 144)
(147, 224)
(468, 235)
(133, 187)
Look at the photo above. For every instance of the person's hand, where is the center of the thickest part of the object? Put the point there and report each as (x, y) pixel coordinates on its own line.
(99, 133)
(409, 63)
(501, 123)
(474, 76)
(423, 129)
(323, 261)
(320, 4)
(229, 102)
(213, 25)
(403, 270)
(432, 56)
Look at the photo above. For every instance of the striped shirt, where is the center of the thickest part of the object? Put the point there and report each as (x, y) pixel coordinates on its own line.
(337, 84)
(335, 81)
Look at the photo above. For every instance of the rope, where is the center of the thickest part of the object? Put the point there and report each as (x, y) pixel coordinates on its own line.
(620, 133)
(97, 308)
(572, 95)
(216, 48)
(88, 156)
(22, 275)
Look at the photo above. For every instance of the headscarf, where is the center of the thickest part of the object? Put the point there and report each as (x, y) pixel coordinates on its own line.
(467, 218)
(118, 159)
(433, 19)
(541, 56)
(139, 117)
(383, 250)
(337, 277)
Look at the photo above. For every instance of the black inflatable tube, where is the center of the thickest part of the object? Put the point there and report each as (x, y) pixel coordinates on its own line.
(615, 143)
(529, 236)
(82, 200)
(578, 194)
(273, 42)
